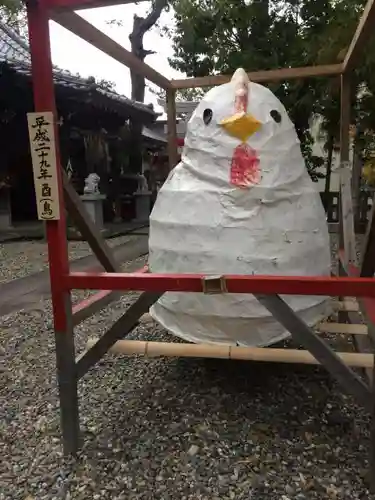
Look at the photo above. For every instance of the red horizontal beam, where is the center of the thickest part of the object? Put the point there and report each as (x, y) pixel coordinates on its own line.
(84, 4)
(85, 303)
(285, 285)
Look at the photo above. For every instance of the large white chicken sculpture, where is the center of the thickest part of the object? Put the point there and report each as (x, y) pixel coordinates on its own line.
(240, 202)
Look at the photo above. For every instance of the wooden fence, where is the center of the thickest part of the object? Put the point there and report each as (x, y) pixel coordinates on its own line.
(331, 205)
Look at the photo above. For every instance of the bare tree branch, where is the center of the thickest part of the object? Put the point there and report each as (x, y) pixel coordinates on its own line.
(141, 25)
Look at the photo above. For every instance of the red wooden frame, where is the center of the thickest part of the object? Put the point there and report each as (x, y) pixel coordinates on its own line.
(69, 370)
(92, 299)
(83, 4)
(62, 281)
(285, 285)
(44, 100)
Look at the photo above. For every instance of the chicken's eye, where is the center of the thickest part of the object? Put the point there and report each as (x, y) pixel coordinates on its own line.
(276, 115)
(207, 116)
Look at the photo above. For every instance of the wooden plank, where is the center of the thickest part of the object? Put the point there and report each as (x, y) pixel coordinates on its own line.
(119, 329)
(361, 343)
(343, 328)
(85, 4)
(87, 228)
(344, 138)
(333, 227)
(356, 188)
(368, 252)
(94, 304)
(265, 354)
(67, 382)
(271, 75)
(372, 426)
(347, 215)
(367, 345)
(366, 304)
(363, 32)
(77, 25)
(367, 311)
(305, 336)
(344, 157)
(172, 129)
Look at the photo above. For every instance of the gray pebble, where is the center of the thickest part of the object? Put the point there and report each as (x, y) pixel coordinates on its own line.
(172, 428)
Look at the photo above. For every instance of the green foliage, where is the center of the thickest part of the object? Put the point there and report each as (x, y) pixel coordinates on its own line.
(190, 94)
(11, 6)
(12, 13)
(218, 36)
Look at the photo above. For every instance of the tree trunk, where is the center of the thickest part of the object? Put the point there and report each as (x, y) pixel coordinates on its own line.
(140, 27)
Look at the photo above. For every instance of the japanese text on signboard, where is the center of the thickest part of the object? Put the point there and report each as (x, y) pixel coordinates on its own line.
(42, 145)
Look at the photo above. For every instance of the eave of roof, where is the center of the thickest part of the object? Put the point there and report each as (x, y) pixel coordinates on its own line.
(14, 51)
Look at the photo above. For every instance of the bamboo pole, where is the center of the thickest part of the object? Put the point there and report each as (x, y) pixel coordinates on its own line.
(156, 349)
(324, 327)
(343, 328)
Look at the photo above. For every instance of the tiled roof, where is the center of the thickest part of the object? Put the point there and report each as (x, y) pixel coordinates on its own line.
(12, 46)
(153, 134)
(14, 51)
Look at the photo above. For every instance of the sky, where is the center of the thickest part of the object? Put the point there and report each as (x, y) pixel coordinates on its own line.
(74, 54)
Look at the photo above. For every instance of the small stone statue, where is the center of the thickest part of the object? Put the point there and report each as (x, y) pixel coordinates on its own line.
(92, 184)
(142, 184)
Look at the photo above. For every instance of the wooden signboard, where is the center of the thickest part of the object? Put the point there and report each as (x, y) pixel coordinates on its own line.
(43, 155)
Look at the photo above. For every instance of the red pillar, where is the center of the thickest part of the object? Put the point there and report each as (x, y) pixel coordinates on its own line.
(44, 100)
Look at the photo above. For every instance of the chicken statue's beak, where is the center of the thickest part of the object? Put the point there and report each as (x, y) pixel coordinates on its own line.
(241, 125)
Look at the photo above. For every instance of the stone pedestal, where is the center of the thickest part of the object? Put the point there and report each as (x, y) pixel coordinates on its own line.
(94, 206)
(5, 210)
(142, 205)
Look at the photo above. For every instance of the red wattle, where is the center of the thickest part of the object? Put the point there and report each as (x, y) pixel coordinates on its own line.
(244, 171)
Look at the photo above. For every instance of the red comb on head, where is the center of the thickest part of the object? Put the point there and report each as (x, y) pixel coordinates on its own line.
(241, 82)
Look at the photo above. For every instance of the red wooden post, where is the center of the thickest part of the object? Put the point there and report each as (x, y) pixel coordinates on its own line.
(44, 100)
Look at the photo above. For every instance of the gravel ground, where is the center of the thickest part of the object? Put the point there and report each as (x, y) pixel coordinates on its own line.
(173, 428)
(19, 259)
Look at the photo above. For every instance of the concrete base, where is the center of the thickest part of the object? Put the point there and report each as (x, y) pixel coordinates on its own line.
(5, 210)
(94, 206)
(142, 205)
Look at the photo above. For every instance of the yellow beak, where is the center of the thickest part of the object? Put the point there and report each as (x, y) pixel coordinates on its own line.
(241, 125)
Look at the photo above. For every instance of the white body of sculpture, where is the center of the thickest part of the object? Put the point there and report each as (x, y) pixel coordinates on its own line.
(209, 219)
